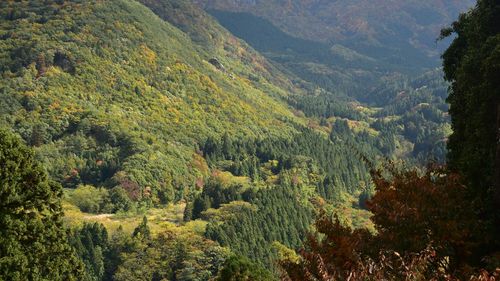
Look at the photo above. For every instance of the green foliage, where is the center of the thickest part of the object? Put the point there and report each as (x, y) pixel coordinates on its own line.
(227, 211)
(126, 108)
(142, 231)
(472, 64)
(279, 217)
(415, 111)
(307, 152)
(264, 190)
(119, 200)
(237, 268)
(106, 102)
(411, 122)
(92, 246)
(170, 255)
(167, 257)
(33, 243)
(88, 198)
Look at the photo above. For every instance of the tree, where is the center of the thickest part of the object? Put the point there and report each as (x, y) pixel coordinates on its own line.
(188, 212)
(426, 229)
(412, 212)
(238, 268)
(472, 65)
(142, 230)
(88, 198)
(33, 242)
(91, 245)
(119, 200)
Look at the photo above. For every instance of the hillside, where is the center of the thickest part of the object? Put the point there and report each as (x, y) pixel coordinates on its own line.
(345, 47)
(248, 140)
(344, 84)
(152, 108)
(120, 87)
(182, 145)
(405, 29)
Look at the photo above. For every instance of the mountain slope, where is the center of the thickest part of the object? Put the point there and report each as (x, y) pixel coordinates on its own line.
(114, 94)
(379, 27)
(135, 105)
(150, 113)
(344, 47)
(101, 87)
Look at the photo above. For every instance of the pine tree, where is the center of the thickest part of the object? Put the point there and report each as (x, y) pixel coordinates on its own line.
(33, 242)
(142, 230)
(188, 212)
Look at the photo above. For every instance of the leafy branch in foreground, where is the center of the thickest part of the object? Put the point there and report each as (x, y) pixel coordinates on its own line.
(426, 230)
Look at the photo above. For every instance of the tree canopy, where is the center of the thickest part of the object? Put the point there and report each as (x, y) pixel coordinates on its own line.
(472, 65)
(33, 242)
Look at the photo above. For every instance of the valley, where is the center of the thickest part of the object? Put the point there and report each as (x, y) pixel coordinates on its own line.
(211, 139)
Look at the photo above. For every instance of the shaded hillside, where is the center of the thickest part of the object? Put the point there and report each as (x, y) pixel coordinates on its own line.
(388, 29)
(336, 68)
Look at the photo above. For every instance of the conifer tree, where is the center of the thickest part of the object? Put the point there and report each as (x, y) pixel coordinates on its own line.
(33, 242)
(143, 230)
(472, 65)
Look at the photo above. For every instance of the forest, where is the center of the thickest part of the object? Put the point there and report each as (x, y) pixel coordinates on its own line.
(173, 140)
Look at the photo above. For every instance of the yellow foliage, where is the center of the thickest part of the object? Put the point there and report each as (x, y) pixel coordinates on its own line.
(53, 71)
(148, 54)
(285, 253)
(54, 105)
(226, 178)
(159, 220)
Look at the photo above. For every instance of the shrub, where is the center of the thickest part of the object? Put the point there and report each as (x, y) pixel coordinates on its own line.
(88, 198)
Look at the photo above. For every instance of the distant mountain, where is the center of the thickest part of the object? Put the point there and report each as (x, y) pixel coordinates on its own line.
(380, 28)
(368, 52)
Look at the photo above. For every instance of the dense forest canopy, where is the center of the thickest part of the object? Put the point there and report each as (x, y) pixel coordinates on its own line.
(212, 140)
(471, 65)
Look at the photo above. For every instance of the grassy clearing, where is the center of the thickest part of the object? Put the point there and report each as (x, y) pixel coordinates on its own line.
(159, 220)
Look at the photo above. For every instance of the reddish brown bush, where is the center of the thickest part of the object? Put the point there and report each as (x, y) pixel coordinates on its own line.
(426, 230)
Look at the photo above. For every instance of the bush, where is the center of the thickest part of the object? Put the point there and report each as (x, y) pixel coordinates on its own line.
(88, 198)
(118, 200)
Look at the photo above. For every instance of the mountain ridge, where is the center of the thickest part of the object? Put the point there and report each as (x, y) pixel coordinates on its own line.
(357, 24)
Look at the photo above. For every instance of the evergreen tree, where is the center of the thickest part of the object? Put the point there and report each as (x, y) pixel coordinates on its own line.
(33, 242)
(91, 244)
(142, 230)
(238, 268)
(472, 65)
(188, 212)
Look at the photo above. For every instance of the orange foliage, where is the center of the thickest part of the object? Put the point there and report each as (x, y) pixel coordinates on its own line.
(413, 212)
(426, 230)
